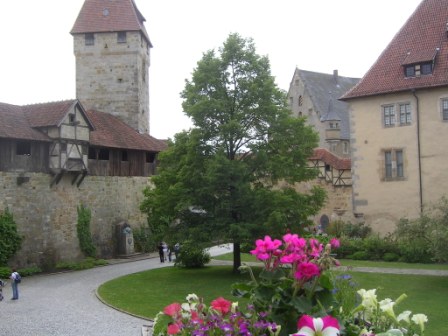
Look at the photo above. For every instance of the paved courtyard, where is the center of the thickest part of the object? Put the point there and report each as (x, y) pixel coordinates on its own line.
(65, 304)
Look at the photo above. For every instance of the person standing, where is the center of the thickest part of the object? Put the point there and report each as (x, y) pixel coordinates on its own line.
(15, 284)
(162, 257)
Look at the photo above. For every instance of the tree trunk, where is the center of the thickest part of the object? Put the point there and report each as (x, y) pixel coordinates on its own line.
(236, 257)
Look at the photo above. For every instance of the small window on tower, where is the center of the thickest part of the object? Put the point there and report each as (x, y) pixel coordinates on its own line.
(121, 37)
(89, 39)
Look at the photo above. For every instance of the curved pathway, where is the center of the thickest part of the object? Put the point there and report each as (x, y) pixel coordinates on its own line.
(65, 304)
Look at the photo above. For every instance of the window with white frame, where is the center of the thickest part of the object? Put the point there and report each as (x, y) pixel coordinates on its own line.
(445, 109)
(405, 114)
(393, 164)
(389, 115)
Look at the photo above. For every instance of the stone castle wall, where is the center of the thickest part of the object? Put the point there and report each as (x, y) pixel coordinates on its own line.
(47, 217)
(338, 205)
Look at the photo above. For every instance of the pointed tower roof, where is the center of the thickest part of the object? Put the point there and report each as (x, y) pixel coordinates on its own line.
(99, 16)
(332, 114)
(422, 39)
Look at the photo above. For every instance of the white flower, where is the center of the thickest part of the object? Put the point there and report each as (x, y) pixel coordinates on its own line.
(387, 306)
(186, 307)
(192, 298)
(369, 299)
(404, 316)
(420, 319)
(234, 307)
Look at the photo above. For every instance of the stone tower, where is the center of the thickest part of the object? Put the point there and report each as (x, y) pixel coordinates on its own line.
(112, 51)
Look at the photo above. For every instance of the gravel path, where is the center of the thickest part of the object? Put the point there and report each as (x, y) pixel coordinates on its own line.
(65, 304)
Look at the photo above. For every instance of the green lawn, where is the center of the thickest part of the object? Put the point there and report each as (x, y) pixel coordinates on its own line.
(245, 257)
(146, 293)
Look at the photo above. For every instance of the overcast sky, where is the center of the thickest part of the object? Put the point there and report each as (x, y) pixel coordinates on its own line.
(37, 62)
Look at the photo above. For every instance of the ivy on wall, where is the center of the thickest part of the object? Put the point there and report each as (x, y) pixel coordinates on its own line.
(83, 227)
(10, 239)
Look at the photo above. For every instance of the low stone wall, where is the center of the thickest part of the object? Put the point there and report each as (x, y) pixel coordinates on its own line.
(47, 216)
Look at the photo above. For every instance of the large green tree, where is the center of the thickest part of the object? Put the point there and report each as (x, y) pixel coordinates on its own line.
(231, 177)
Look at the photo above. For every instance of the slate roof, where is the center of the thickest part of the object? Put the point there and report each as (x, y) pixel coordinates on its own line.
(329, 158)
(22, 122)
(114, 133)
(319, 85)
(100, 16)
(422, 38)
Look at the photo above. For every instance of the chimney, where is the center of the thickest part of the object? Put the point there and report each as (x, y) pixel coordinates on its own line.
(335, 76)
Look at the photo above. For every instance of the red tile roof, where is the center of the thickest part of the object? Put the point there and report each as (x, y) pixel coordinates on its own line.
(329, 158)
(21, 122)
(14, 124)
(112, 132)
(47, 114)
(423, 35)
(99, 16)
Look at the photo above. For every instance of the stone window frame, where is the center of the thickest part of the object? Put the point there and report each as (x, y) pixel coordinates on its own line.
(393, 164)
(444, 109)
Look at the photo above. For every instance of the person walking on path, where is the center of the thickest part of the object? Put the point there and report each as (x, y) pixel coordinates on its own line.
(161, 255)
(15, 278)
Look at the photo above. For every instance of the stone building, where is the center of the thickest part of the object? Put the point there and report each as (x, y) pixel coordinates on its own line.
(399, 122)
(314, 95)
(94, 150)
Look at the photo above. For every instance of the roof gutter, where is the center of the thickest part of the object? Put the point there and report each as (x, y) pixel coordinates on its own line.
(417, 108)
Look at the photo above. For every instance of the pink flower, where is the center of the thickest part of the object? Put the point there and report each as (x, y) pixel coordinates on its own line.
(306, 271)
(309, 326)
(316, 248)
(295, 241)
(334, 242)
(265, 247)
(173, 329)
(172, 309)
(222, 305)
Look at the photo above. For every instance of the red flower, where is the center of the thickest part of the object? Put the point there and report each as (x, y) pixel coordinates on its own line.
(222, 305)
(306, 271)
(173, 329)
(172, 309)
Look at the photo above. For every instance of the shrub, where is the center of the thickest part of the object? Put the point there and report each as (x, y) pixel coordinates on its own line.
(143, 240)
(360, 255)
(425, 239)
(10, 240)
(192, 256)
(376, 246)
(5, 272)
(358, 230)
(413, 241)
(336, 228)
(390, 256)
(348, 247)
(81, 265)
(84, 235)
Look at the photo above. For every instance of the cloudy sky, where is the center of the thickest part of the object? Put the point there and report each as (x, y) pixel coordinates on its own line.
(37, 62)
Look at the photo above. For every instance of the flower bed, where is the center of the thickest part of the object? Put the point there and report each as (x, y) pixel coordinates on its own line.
(295, 294)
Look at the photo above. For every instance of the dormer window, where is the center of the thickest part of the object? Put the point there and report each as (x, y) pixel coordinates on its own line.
(417, 70)
(419, 63)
